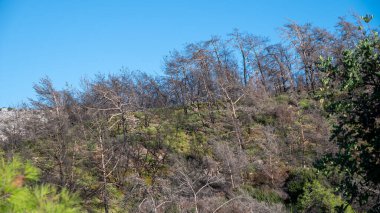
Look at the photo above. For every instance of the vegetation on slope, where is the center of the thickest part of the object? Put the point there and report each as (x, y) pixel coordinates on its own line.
(234, 125)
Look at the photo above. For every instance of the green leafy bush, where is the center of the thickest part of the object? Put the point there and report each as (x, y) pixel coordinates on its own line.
(305, 104)
(296, 182)
(308, 192)
(320, 198)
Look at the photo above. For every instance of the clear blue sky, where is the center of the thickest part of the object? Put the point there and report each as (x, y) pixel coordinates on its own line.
(70, 39)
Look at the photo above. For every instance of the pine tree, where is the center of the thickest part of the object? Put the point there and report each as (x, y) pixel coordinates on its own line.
(19, 192)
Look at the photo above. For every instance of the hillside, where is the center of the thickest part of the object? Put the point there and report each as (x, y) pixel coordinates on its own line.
(235, 125)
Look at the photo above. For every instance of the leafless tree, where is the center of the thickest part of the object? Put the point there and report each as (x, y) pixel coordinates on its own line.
(233, 161)
(194, 183)
(281, 62)
(56, 111)
(241, 42)
(309, 43)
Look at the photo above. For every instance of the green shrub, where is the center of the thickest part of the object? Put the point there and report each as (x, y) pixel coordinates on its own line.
(265, 195)
(304, 104)
(178, 141)
(198, 144)
(265, 119)
(282, 99)
(308, 192)
(320, 198)
(296, 182)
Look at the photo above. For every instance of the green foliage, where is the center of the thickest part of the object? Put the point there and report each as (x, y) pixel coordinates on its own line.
(351, 92)
(297, 180)
(367, 18)
(116, 198)
(48, 199)
(265, 119)
(305, 104)
(88, 179)
(10, 170)
(18, 196)
(13, 175)
(308, 191)
(198, 146)
(265, 195)
(179, 141)
(282, 99)
(320, 198)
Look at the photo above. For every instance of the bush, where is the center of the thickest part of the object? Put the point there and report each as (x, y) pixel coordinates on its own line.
(282, 99)
(265, 195)
(320, 198)
(265, 119)
(308, 192)
(296, 182)
(304, 104)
